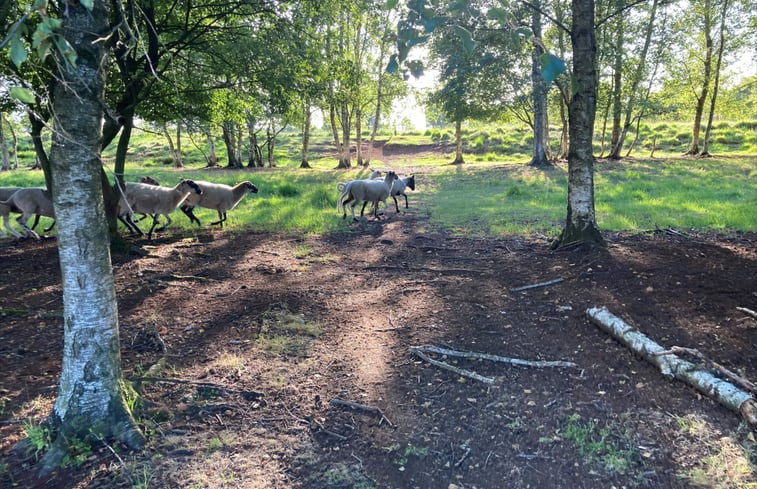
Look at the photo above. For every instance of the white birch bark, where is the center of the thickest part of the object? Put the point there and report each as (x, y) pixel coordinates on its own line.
(724, 392)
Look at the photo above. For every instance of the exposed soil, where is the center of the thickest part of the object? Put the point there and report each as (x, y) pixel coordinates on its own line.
(275, 327)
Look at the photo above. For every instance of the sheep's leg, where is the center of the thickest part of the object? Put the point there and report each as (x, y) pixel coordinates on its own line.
(154, 223)
(221, 219)
(406, 206)
(396, 205)
(36, 221)
(133, 228)
(168, 222)
(22, 221)
(7, 225)
(344, 207)
(352, 209)
(188, 211)
(363, 209)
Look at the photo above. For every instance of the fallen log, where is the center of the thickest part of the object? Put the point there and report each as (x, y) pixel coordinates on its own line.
(494, 358)
(673, 366)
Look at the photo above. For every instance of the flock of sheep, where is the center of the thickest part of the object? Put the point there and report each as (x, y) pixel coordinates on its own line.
(148, 197)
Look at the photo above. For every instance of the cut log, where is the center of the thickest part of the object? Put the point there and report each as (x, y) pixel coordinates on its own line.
(724, 392)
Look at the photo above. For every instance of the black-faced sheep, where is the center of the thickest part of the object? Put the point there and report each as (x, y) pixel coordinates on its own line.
(216, 196)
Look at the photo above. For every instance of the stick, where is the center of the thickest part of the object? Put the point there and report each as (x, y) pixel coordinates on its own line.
(748, 311)
(533, 286)
(465, 455)
(493, 358)
(446, 366)
(738, 380)
(724, 392)
(249, 395)
(360, 407)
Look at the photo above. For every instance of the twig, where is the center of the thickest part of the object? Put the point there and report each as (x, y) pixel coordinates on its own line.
(465, 455)
(531, 456)
(249, 395)
(737, 379)
(465, 373)
(360, 407)
(174, 276)
(493, 358)
(533, 286)
(747, 311)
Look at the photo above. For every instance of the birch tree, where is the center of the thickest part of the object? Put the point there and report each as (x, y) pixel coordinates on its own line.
(91, 395)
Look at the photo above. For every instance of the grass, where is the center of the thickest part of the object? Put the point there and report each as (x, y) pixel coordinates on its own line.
(600, 446)
(493, 195)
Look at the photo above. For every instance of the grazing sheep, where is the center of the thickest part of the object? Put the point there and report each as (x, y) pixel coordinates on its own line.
(154, 200)
(368, 190)
(217, 196)
(149, 181)
(27, 201)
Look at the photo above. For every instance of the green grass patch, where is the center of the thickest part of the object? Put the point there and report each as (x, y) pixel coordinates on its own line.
(601, 446)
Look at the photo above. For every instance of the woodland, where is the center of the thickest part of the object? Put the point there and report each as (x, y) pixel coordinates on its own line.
(368, 355)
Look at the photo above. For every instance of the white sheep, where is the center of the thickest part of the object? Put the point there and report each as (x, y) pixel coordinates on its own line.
(374, 175)
(154, 200)
(217, 196)
(399, 187)
(27, 201)
(5, 194)
(368, 190)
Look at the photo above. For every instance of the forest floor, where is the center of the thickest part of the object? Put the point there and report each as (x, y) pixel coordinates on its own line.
(254, 335)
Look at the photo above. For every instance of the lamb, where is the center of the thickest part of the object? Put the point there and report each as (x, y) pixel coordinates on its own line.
(27, 201)
(368, 190)
(217, 196)
(153, 200)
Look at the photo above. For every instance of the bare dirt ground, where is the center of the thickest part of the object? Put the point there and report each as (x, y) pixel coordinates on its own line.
(260, 332)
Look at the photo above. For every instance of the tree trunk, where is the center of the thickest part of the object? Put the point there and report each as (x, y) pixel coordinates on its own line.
(90, 402)
(343, 163)
(15, 144)
(539, 158)
(617, 88)
(632, 98)
(702, 98)
(358, 137)
(580, 225)
(716, 83)
(559, 14)
(6, 165)
(212, 156)
(379, 91)
(271, 138)
(42, 161)
(604, 126)
(306, 133)
(171, 149)
(179, 158)
(346, 122)
(230, 139)
(458, 143)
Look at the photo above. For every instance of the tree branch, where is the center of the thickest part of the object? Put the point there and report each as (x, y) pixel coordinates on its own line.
(554, 21)
(621, 9)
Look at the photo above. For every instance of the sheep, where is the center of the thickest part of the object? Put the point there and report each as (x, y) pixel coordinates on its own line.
(374, 175)
(217, 196)
(6, 192)
(368, 191)
(27, 201)
(399, 187)
(149, 181)
(153, 200)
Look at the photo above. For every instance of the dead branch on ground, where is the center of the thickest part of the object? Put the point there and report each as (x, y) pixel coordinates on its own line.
(747, 311)
(736, 379)
(493, 358)
(670, 365)
(336, 402)
(446, 366)
(540, 284)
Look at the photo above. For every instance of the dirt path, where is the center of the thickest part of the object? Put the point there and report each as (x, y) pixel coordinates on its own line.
(275, 327)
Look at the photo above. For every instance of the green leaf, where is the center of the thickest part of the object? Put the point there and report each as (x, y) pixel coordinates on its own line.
(17, 50)
(456, 7)
(573, 85)
(43, 48)
(525, 32)
(468, 43)
(39, 5)
(503, 16)
(433, 23)
(551, 67)
(403, 50)
(390, 4)
(393, 65)
(23, 94)
(66, 50)
(88, 4)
